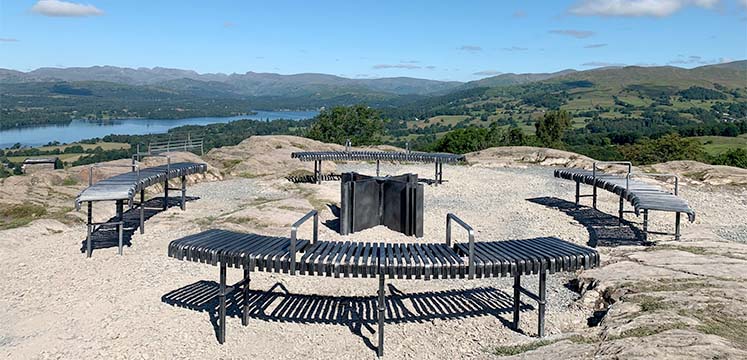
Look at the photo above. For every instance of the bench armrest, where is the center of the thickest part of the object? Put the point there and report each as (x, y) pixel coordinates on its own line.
(676, 180)
(134, 166)
(627, 176)
(140, 157)
(470, 234)
(294, 236)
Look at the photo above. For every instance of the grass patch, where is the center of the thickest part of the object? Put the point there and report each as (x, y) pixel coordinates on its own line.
(246, 220)
(649, 303)
(716, 321)
(13, 216)
(510, 350)
(664, 285)
(230, 164)
(691, 249)
(644, 331)
(69, 181)
(247, 175)
(205, 221)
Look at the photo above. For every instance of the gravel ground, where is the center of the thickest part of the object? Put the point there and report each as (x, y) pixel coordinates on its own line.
(58, 304)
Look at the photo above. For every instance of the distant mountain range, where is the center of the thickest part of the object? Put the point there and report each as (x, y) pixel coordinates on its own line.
(248, 84)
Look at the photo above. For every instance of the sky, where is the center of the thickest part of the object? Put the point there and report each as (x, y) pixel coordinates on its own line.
(441, 40)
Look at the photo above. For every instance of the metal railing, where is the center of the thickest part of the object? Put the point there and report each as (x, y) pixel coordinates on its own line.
(676, 179)
(190, 143)
(294, 236)
(627, 176)
(471, 245)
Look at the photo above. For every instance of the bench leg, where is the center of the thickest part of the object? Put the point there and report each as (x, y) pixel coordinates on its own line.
(222, 301)
(166, 195)
(377, 167)
(677, 227)
(381, 308)
(142, 211)
(594, 197)
(245, 308)
(184, 193)
(517, 299)
(542, 303)
(436, 175)
(620, 219)
(120, 225)
(645, 224)
(89, 230)
(578, 193)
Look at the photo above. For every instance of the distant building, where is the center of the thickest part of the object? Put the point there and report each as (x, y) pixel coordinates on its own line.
(33, 165)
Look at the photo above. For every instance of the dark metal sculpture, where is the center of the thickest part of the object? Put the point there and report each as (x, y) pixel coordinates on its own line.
(642, 196)
(483, 259)
(393, 201)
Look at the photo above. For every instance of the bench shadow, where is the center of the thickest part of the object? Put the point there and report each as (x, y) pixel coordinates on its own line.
(106, 236)
(358, 313)
(603, 228)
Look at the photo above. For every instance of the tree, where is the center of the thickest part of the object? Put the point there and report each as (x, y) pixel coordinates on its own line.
(732, 157)
(359, 123)
(550, 128)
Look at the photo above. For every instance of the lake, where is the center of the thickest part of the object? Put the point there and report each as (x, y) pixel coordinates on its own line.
(84, 129)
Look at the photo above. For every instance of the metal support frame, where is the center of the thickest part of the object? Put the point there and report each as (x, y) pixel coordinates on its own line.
(294, 235)
(540, 298)
(381, 305)
(119, 209)
(594, 176)
(470, 234)
(578, 192)
(222, 304)
(378, 164)
(645, 224)
(184, 193)
(245, 298)
(142, 211)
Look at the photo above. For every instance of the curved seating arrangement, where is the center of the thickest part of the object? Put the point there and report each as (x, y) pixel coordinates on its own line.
(410, 156)
(123, 187)
(482, 259)
(642, 196)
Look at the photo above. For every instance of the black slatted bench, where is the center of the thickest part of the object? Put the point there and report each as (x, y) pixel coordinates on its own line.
(403, 156)
(642, 196)
(341, 259)
(123, 187)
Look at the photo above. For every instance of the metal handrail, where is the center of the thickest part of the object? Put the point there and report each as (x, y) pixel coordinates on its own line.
(144, 155)
(470, 234)
(294, 236)
(676, 179)
(627, 176)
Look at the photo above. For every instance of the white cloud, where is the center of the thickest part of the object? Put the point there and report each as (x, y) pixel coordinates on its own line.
(487, 73)
(472, 48)
(519, 14)
(395, 66)
(690, 60)
(658, 8)
(60, 8)
(8, 40)
(578, 34)
(594, 46)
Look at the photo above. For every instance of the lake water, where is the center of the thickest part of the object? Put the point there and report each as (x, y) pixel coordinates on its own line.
(84, 129)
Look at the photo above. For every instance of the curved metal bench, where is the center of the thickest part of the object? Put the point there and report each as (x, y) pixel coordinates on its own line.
(252, 252)
(642, 196)
(123, 187)
(407, 156)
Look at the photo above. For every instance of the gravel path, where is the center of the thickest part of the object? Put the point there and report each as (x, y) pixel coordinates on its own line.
(58, 304)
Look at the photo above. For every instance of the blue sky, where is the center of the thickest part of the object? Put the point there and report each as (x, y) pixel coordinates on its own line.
(444, 40)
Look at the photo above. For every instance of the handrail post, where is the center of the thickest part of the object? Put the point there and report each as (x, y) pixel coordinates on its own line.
(294, 236)
(471, 245)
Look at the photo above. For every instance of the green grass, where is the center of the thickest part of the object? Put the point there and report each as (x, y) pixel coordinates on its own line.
(715, 145)
(644, 331)
(13, 216)
(510, 350)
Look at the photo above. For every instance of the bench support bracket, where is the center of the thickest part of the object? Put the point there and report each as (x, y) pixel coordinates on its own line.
(540, 298)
